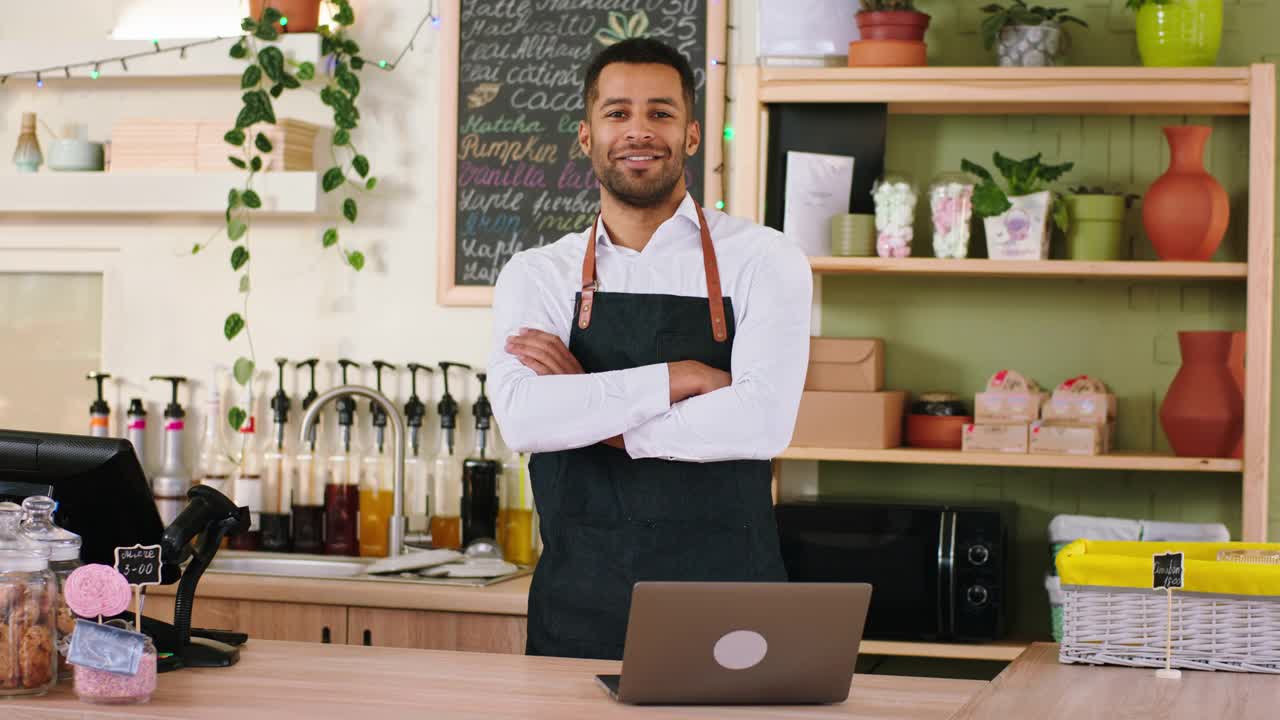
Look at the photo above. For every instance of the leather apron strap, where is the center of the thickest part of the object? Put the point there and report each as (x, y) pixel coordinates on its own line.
(715, 296)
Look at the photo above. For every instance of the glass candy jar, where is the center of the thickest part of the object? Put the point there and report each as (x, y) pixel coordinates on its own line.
(895, 198)
(28, 596)
(101, 687)
(951, 210)
(64, 556)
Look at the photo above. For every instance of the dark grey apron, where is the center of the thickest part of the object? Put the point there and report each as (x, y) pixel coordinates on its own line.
(608, 521)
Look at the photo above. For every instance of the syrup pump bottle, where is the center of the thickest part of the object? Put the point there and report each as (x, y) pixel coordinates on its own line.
(214, 465)
(417, 474)
(99, 411)
(136, 431)
(446, 473)
(308, 492)
(170, 485)
(341, 490)
(277, 496)
(376, 484)
(480, 478)
(248, 484)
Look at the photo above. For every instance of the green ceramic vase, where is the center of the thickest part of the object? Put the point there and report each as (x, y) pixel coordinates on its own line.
(1096, 231)
(1180, 33)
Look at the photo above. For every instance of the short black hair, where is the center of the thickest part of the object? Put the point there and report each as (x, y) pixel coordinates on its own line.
(638, 50)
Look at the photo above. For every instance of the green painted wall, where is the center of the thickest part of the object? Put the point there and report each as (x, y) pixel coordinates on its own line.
(951, 334)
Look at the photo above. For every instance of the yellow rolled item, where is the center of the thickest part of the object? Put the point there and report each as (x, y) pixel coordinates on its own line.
(1128, 564)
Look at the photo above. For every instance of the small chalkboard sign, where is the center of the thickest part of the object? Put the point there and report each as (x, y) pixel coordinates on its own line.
(139, 564)
(1166, 571)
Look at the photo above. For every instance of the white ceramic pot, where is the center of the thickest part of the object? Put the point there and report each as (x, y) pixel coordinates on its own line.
(1022, 231)
(74, 154)
(1031, 45)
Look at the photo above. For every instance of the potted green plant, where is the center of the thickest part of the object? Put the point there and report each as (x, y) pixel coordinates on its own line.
(267, 76)
(1027, 36)
(890, 20)
(1178, 33)
(1097, 223)
(296, 16)
(1017, 218)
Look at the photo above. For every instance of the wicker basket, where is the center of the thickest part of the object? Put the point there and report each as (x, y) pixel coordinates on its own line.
(1227, 617)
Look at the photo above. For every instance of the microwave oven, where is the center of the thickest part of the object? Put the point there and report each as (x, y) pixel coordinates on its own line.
(938, 572)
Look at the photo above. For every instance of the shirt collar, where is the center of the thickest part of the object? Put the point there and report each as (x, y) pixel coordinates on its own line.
(686, 210)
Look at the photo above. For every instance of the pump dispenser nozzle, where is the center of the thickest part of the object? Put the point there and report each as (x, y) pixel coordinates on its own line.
(375, 411)
(173, 409)
(448, 407)
(414, 409)
(310, 363)
(483, 413)
(346, 406)
(99, 411)
(280, 404)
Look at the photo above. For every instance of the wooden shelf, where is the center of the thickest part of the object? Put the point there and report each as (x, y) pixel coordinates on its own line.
(123, 193)
(988, 90)
(1120, 269)
(1113, 461)
(209, 61)
(1001, 651)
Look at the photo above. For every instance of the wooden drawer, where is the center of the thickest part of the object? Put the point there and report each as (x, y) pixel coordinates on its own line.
(261, 620)
(435, 630)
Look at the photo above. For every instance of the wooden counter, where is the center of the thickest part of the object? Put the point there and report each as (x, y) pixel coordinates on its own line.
(1036, 685)
(281, 679)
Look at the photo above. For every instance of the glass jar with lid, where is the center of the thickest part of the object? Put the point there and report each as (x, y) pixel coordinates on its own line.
(101, 687)
(28, 597)
(64, 556)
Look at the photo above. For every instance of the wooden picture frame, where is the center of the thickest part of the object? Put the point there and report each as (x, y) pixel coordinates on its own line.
(448, 292)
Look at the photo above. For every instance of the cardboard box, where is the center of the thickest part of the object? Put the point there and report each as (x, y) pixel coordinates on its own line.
(1084, 408)
(1058, 439)
(856, 420)
(845, 364)
(995, 437)
(1006, 407)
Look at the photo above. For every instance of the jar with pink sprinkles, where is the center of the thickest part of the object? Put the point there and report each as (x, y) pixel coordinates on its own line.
(107, 688)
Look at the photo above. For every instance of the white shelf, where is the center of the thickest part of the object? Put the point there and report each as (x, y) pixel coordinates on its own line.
(121, 193)
(209, 60)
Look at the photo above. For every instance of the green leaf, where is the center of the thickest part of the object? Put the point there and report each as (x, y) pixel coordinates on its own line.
(355, 259)
(257, 108)
(256, 165)
(361, 164)
(239, 256)
(348, 81)
(1060, 214)
(357, 62)
(345, 119)
(239, 51)
(1007, 167)
(349, 209)
(270, 15)
(976, 170)
(237, 162)
(330, 237)
(251, 199)
(290, 82)
(989, 200)
(371, 183)
(277, 90)
(266, 32)
(262, 143)
(251, 76)
(1050, 173)
(195, 248)
(236, 416)
(234, 137)
(307, 71)
(236, 230)
(244, 283)
(333, 179)
(272, 62)
(350, 47)
(242, 371)
(345, 15)
(233, 325)
(341, 137)
(248, 25)
(233, 199)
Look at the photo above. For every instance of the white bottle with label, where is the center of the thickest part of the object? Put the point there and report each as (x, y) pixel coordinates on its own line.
(213, 465)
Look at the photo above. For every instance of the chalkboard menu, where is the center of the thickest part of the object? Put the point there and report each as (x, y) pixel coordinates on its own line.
(514, 175)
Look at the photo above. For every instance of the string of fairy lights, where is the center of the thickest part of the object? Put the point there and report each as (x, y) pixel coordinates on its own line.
(97, 66)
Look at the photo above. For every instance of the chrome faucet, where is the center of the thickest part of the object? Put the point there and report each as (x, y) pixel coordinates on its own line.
(396, 545)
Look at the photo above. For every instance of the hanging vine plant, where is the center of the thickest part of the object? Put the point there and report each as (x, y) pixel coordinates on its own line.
(268, 75)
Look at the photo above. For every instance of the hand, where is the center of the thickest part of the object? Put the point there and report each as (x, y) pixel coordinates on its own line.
(615, 441)
(543, 353)
(690, 378)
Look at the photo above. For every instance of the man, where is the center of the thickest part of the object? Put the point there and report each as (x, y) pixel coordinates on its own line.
(653, 364)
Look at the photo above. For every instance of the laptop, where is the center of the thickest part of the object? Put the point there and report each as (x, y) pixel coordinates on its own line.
(728, 643)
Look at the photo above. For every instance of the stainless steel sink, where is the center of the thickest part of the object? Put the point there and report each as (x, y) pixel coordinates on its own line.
(333, 568)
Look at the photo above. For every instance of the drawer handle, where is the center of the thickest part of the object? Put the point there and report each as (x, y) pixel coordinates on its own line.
(324, 634)
(368, 638)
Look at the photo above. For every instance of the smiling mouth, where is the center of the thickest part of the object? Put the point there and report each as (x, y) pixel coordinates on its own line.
(639, 160)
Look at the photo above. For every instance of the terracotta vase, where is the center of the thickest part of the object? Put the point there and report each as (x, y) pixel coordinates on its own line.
(1185, 212)
(892, 25)
(1236, 362)
(302, 15)
(1203, 410)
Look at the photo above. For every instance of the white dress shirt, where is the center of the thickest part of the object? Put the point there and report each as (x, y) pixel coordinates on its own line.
(769, 280)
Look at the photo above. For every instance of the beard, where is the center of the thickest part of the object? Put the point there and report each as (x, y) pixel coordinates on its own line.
(639, 190)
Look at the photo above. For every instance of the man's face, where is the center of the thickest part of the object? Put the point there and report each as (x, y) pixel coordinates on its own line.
(639, 133)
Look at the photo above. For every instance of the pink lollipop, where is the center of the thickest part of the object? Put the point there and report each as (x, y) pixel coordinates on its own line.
(96, 590)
